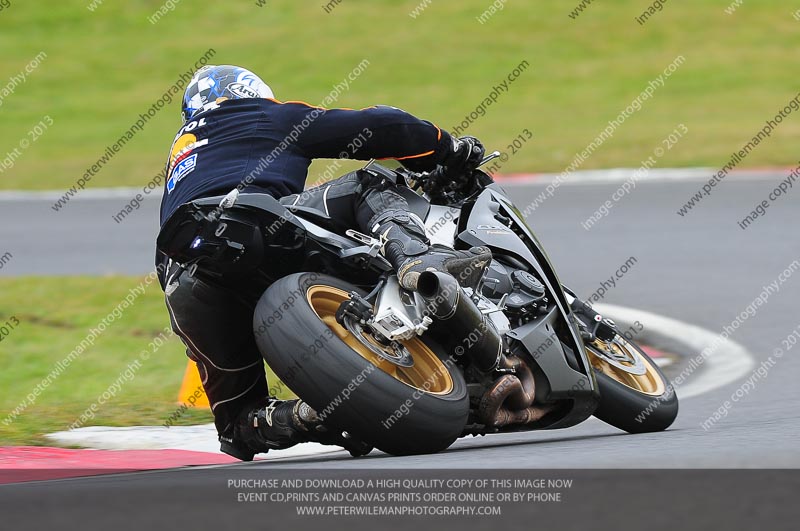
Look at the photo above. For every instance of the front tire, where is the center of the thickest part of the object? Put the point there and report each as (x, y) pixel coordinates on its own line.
(401, 411)
(636, 403)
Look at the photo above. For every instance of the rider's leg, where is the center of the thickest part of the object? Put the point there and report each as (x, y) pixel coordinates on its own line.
(407, 248)
(373, 205)
(214, 322)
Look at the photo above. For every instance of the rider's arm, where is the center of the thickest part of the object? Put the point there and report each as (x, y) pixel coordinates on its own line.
(379, 132)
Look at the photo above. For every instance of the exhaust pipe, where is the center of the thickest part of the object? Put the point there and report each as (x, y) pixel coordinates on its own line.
(495, 414)
(510, 398)
(459, 318)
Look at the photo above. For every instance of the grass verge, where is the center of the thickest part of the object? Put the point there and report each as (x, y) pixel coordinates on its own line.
(107, 65)
(54, 315)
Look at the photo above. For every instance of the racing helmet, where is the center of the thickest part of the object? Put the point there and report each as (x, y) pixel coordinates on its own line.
(212, 84)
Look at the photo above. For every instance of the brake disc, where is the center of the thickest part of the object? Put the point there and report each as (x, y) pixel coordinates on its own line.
(619, 353)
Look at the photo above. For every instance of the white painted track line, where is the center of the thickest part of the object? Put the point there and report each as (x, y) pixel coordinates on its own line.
(619, 175)
(580, 177)
(201, 438)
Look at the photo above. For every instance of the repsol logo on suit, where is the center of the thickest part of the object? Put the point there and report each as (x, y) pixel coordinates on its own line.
(182, 161)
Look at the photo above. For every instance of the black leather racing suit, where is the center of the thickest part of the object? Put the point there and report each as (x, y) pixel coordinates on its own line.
(265, 145)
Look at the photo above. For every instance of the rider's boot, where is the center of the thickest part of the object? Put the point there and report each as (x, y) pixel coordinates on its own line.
(281, 424)
(407, 248)
(258, 430)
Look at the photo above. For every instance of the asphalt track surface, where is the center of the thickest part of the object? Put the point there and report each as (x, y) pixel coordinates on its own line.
(700, 269)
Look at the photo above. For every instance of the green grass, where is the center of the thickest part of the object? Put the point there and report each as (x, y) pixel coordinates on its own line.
(54, 315)
(104, 68)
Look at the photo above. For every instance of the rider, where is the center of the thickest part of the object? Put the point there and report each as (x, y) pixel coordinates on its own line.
(236, 134)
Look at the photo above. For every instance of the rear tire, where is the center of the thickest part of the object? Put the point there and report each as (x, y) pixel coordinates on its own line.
(415, 411)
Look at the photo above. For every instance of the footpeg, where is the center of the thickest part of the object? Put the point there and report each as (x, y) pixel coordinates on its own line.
(373, 243)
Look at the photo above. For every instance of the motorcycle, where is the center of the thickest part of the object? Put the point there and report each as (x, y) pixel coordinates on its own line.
(411, 372)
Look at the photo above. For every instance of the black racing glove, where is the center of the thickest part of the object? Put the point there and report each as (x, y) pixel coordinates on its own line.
(458, 171)
(467, 154)
(441, 182)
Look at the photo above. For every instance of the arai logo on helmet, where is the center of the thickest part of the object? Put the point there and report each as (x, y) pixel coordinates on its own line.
(255, 83)
(242, 91)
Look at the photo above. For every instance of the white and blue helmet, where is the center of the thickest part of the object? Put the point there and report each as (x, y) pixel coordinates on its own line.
(212, 84)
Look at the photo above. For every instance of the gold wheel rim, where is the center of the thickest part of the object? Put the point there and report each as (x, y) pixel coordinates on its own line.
(428, 374)
(649, 383)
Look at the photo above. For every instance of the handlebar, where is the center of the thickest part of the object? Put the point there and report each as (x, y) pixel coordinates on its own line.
(451, 193)
(491, 156)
